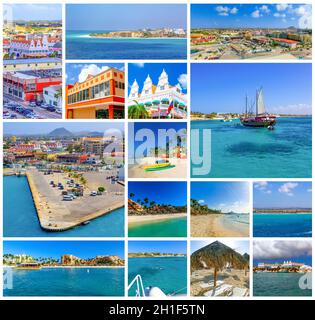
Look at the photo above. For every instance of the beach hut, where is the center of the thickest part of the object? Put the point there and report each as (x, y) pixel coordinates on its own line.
(217, 256)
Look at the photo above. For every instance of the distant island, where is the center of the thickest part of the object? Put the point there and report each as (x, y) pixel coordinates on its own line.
(154, 255)
(282, 210)
(145, 33)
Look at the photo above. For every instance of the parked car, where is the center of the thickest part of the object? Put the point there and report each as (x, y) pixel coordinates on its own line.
(93, 193)
(66, 197)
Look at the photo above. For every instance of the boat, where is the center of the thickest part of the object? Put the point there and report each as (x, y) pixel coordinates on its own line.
(261, 118)
(28, 266)
(150, 291)
(159, 165)
(86, 222)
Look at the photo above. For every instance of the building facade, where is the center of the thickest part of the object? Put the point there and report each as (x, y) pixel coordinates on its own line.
(162, 100)
(98, 97)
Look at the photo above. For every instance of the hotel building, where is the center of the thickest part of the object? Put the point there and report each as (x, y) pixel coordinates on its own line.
(157, 99)
(98, 97)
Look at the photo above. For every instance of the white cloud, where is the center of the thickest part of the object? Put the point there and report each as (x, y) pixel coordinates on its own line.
(282, 6)
(201, 201)
(287, 188)
(264, 8)
(281, 249)
(140, 64)
(256, 14)
(182, 79)
(262, 186)
(309, 190)
(234, 10)
(225, 11)
(90, 69)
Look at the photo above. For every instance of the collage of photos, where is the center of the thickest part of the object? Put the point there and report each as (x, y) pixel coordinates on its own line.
(136, 165)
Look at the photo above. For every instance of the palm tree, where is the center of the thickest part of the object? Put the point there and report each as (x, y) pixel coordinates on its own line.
(131, 195)
(137, 111)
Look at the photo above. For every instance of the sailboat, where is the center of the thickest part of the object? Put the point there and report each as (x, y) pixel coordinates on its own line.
(262, 118)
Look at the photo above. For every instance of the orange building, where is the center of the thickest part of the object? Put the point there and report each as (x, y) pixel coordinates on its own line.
(98, 97)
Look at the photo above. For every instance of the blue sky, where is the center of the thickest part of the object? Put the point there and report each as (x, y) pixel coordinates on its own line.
(55, 249)
(125, 16)
(177, 73)
(280, 250)
(154, 127)
(157, 246)
(222, 87)
(251, 15)
(226, 196)
(241, 246)
(78, 72)
(282, 194)
(32, 12)
(46, 127)
(174, 193)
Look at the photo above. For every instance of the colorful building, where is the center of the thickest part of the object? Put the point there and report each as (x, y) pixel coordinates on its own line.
(162, 100)
(29, 85)
(286, 42)
(31, 64)
(98, 97)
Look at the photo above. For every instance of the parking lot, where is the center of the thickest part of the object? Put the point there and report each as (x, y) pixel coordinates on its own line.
(17, 109)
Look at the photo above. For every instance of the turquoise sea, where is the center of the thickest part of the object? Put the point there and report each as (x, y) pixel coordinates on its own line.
(282, 225)
(168, 228)
(20, 217)
(68, 282)
(242, 152)
(278, 284)
(167, 273)
(80, 46)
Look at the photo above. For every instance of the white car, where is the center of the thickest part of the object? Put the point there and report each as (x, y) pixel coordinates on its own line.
(93, 193)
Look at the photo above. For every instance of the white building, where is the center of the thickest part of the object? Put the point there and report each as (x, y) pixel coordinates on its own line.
(52, 96)
(162, 100)
(29, 47)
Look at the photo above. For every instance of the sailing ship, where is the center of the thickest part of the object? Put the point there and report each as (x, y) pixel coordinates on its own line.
(261, 118)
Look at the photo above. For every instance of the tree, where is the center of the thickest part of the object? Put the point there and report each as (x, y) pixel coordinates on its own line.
(131, 195)
(101, 189)
(137, 111)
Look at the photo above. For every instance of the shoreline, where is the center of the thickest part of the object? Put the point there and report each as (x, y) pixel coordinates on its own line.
(135, 220)
(72, 267)
(281, 213)
(215, 225)
(48, 221)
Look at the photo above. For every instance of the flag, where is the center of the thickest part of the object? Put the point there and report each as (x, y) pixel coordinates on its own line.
(170, 107)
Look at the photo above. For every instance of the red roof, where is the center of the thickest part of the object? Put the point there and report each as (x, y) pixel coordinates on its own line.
(285, 40)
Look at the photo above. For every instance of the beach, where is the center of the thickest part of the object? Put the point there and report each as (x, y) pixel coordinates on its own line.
(57, 215)
(137, 170)
(232, 282)
(150, 218)
(217, 225)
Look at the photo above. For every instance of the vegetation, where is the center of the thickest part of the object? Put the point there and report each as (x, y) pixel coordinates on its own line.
(137, 111)
(197, 208)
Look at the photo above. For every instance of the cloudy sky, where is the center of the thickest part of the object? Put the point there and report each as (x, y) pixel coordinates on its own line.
(251, 15)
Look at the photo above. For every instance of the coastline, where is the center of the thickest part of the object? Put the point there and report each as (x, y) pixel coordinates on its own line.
(53, 221)
(215, 225)
(135, 220)
(73, 267)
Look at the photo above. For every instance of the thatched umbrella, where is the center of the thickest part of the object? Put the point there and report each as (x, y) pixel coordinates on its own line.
(217, 256)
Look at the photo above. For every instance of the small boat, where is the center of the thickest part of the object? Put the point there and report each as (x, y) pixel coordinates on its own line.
(159, 165)
(261, 117)
(86, 222)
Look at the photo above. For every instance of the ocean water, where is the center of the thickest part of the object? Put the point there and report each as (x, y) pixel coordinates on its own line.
(20, 217)
(167, 273)
(242, 152)
(278, 284)
(282, 225)
(68, 282)
(80, 46)
(168, 228)
(239, 222)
